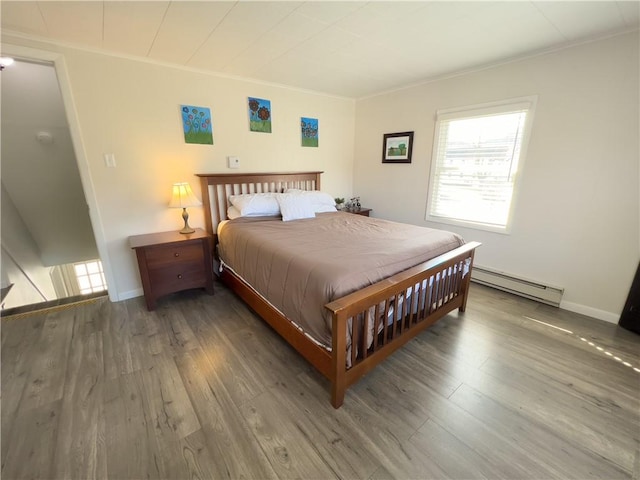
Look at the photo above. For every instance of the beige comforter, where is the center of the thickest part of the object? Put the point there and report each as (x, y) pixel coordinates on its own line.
(301, 265)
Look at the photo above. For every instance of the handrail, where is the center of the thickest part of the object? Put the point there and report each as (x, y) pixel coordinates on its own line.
(26, 275)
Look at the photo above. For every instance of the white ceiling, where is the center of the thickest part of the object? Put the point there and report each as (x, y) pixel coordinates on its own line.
(347, 48)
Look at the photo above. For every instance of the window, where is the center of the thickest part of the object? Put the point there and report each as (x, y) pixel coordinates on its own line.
(90, 276)
(477, 154)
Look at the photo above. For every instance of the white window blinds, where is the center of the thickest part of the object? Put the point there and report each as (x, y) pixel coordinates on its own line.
(475, 163)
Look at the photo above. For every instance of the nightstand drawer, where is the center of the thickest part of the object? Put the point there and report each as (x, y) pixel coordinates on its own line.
(181, 276)
(161, 255)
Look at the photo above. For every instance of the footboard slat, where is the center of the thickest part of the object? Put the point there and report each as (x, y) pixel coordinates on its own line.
(456, 279)
(378, 320)
(386, 324)
(396, 312)
(355, 331)
(417, 288)
(363, 345)
(402, 306)
(447, 285)
(431, 287)
(404, 316)
(441, 290)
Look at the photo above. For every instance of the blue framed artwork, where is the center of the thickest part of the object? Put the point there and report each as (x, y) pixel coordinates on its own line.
(309, 131)
(196, 122)
(259, 115)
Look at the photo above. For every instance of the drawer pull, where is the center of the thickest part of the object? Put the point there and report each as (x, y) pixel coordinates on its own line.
(176, 254)
(180, 276)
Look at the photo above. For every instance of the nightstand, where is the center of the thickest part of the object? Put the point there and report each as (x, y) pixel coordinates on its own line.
(171, 261)
(361, 211)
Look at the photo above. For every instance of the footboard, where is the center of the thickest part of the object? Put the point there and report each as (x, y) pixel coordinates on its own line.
(370, 324)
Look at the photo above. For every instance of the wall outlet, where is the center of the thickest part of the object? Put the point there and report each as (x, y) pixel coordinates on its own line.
(233, 162)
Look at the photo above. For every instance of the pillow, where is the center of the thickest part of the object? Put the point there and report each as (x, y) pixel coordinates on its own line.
(233, 212)
(256, 204)
(295, 206)
(325, 208)
(321, 201)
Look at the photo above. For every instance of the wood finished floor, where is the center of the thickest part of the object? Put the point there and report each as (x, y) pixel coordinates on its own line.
(201, 388)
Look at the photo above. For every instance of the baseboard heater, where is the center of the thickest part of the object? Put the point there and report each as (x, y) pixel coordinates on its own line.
(531, 289)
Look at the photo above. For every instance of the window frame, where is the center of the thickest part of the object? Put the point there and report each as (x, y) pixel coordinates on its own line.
(103, 287)
(486, 109)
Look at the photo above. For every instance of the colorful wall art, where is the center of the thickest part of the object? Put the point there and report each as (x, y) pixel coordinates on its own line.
(196, 122)
(259, 115)
(309, 131)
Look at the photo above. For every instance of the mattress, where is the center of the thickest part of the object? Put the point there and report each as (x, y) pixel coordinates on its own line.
(301, 265)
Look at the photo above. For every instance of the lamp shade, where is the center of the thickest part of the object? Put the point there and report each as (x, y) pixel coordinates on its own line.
(183, 196)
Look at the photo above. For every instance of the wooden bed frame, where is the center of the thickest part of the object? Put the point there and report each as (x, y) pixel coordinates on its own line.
(441, 285)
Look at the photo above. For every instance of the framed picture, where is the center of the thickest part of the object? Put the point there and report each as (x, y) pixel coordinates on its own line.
(309, 131)
(396, 147)
(259, 115)
(196, 124)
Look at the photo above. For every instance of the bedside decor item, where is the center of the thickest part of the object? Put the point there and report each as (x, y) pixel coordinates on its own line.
(339, 203)
(259, 115)
(196, 122)
(184, 197)
(309, 131)
(396, 147)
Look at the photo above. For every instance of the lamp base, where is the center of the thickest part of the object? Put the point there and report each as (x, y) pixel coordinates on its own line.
(185, 217)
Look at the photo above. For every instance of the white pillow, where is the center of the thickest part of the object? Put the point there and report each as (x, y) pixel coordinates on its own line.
(321, 201)
(295, 206)
(325, 208)
(256, 204)
(233, 212)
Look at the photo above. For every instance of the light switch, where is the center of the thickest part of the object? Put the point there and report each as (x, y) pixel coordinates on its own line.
(110, 160)
(233, 162)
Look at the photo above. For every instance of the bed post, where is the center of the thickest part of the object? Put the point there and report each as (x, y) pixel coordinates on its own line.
(338, 360)
(465, 284)
(206, 201)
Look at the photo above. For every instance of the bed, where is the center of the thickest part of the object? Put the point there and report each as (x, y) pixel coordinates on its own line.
(366, 319)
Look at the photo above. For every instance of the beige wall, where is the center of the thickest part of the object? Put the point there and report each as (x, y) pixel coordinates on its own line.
(577, 216)
(576, 219)
(132, 109)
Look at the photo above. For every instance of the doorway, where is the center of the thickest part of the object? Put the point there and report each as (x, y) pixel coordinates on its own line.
(49, 250)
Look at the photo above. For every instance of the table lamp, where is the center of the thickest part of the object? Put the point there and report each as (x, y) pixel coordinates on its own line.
(183, 197)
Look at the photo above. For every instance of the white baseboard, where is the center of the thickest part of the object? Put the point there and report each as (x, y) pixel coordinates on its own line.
(590, 312)
(130, 294)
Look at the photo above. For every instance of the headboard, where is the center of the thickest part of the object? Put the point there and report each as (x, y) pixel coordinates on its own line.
(216, 188)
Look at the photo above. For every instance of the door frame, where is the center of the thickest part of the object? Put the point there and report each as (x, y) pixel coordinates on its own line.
(58, 62)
